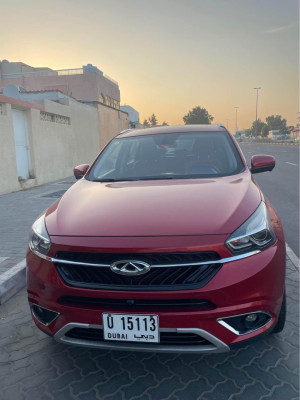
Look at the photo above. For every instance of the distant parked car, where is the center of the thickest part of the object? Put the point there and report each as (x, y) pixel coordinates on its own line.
(165, 243)
(283, 137)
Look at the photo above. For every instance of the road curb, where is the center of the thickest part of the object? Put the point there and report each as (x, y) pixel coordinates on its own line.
(12, 281)
(292, 256)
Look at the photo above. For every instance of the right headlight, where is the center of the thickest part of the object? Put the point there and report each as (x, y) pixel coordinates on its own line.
(256, 233)
(39, 239)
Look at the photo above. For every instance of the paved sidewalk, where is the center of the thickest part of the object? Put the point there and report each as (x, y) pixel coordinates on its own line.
(18, 211)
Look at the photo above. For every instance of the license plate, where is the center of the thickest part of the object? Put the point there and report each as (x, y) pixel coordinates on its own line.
(130, 327)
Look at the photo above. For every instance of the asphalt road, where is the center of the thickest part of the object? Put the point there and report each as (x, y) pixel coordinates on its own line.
(281, 186)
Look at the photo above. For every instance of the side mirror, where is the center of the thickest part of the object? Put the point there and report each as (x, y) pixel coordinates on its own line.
(80, 170)
(262, 163)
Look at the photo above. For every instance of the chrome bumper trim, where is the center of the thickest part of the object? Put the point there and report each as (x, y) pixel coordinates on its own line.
(217, 346)
(48, 309)
(221, 261)
(238, 333)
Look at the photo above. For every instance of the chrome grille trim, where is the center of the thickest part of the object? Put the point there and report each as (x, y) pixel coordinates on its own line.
(221, 261)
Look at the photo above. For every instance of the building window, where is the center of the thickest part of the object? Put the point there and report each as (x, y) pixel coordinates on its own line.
(115, 104)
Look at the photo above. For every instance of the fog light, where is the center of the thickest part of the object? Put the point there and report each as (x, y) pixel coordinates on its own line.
(250, 320)
(43, 315)
(246, 323)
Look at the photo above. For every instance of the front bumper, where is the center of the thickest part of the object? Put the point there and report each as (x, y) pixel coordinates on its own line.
(240, 287)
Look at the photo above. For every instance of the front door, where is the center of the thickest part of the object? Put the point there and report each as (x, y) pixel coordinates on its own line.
(21, 143)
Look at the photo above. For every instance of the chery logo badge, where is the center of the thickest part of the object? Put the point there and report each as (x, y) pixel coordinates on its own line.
(130, 268)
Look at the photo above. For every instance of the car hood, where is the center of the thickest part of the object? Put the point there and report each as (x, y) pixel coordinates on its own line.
(154, 208)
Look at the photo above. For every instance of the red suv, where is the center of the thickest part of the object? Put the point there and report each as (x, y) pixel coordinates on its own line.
(166, 243)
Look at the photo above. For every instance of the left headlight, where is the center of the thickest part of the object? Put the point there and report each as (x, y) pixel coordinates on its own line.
(256, 233)
(39, 238)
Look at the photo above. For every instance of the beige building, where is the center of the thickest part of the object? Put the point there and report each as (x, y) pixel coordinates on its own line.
(51, 121)
(86, 83)
(43, 143)
(111, 121)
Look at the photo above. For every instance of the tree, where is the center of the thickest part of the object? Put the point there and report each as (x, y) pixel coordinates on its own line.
(152, 120)
(165, 124)
(197, 115)
(276, 122)
(265, 130)
(146, 123)
(260, 125)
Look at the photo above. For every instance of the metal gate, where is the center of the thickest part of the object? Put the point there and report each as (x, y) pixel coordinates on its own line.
(21, 143)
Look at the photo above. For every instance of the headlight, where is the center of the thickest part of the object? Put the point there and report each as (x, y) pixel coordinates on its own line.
(256, 233)
(39, 238)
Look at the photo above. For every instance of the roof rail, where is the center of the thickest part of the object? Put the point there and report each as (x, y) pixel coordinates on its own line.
(221, 125)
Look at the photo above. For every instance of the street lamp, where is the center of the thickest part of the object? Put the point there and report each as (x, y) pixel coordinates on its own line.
(236, 109)
(257, 89)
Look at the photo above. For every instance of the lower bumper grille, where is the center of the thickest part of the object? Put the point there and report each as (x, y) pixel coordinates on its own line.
(166, 338)
(111, 304)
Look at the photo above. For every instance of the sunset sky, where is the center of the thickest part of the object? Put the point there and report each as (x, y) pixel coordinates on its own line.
(169, 56)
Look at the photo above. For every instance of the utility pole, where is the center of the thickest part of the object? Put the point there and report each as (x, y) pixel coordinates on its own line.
(257, 89)
(236, 110)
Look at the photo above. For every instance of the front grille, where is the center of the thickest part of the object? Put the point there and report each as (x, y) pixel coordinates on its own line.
(166, 338)
(112, 304)
(150, 258)
(158, 278)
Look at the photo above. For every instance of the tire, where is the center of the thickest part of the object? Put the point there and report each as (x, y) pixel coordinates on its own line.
(281, 317)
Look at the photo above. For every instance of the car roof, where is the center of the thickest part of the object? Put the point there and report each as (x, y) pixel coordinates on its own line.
(173, 129)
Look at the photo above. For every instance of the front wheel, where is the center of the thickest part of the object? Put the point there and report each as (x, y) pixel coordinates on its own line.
(281, 317)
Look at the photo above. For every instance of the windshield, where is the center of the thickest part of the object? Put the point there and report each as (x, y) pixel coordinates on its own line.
(168, 156)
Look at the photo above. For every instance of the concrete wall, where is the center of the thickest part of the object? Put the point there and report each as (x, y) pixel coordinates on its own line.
(111, 123)
(60, 146)
(60, 137)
